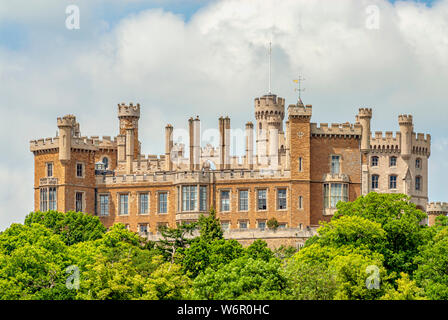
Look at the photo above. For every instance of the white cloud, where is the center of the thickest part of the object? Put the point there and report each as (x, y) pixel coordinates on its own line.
(215, 64)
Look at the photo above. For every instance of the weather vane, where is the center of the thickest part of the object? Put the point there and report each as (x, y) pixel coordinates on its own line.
(299, 83)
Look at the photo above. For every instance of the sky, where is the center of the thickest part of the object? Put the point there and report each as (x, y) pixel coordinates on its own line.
(181, 58)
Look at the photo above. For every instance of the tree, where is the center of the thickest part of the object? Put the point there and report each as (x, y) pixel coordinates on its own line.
(407, 289)
(259, 250)
(272, 224)
(242, 278)
(174, 239)
(399, 218)
(210, 227)
(73, 226)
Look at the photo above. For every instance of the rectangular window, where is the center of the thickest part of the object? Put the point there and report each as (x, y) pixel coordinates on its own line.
(243, 202)
(282, 226)
(143, 203)
(225, 200)
(418, 163)
(163, 202)
(189, 198)
(43, 200)
(374, 161)
(143, 228)
(261, 199)
(124, 201)
(300, 164)
(300, 202)
(375, 179)
(281, 199)
(104, 205)
(418, 183)
(79, 170)
(261, 225)
(49, 169)
(335, 164)
(333, 193)
(392, 182)
(392, 161)
(203, 198)
(78, 201)
(243, 224)
(52, 198)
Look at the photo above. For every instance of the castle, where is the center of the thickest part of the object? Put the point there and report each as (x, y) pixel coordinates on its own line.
(297, 174)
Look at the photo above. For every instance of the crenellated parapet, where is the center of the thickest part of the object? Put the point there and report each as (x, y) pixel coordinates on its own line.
(405, 120)
(421, 144)
(385, 141)
(46, 144)
(437, 208)
(130, 110)
(300, 111)
(336, 130)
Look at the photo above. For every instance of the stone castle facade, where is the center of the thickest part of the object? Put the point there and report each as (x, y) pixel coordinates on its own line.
(297, 173)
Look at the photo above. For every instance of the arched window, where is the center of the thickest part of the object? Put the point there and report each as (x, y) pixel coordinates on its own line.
(106, 162)
(374, 161)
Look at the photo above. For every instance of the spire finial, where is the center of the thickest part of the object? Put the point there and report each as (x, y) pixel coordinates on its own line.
(299, 87)
(270, 54)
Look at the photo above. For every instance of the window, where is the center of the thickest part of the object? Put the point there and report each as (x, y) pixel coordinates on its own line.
(281, 199)
(225, 200)
(375, 179)
(202, 198)
(79, 170)
(333, 193)
(261, 225)
(374, 161)
(78, 201)
(418, 163)
(300, 164)
(143, 203)
(392, 161)
(106, 162)
(104, 204)
(43, 200)
(243, 224)
(335, 164)
(49, 169)
(261, 199)
(52, 198)
(189, 196)
(300, 202)
(392, 182)
(243, 204)
(163, 202)
(418, 183)
(225, 225)
(282, 225)
(143, 228)
(124, 200)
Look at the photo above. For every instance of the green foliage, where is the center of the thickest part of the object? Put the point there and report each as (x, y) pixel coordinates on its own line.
(259, 250)
(272, 224)
(175, 239)
(242, 278)
(407, 289)
(73, 226)
(210, 227)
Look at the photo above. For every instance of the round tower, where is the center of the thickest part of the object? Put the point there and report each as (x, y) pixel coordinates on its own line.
(67, 126)
(406, 129)
(269, 113)
(364, 117)
(434, 209)
(128, 116)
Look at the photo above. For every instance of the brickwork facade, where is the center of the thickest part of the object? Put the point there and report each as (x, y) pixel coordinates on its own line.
(297, 174)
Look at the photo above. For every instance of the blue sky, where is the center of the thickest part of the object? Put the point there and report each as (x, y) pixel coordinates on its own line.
(208, 58)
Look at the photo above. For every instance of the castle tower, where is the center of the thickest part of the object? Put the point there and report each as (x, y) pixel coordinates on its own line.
(363, 118)
(128, 116)
(434, 209)
(269, 113)
(406, 130)
(67, 126)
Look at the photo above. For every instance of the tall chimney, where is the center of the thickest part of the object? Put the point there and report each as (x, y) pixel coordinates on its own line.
(168, 147)
(249, 145)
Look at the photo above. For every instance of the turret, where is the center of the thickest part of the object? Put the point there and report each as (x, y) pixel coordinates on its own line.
(434, 209)
(224, 143)
(67, 126)
(128, 116)
(300, 111)
(406, 129)
(364, 117)
(249, 145)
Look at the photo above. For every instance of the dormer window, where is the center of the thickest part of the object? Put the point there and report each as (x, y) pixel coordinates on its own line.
(392, 161)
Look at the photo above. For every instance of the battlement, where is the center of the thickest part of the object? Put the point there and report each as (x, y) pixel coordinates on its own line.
(270, 100)
(405, 120)
(421, 143)
(437, 208)
(300, 111)
(365, 112)
(44, 144)
(130, 110)
(339, 129)
(68, 120)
